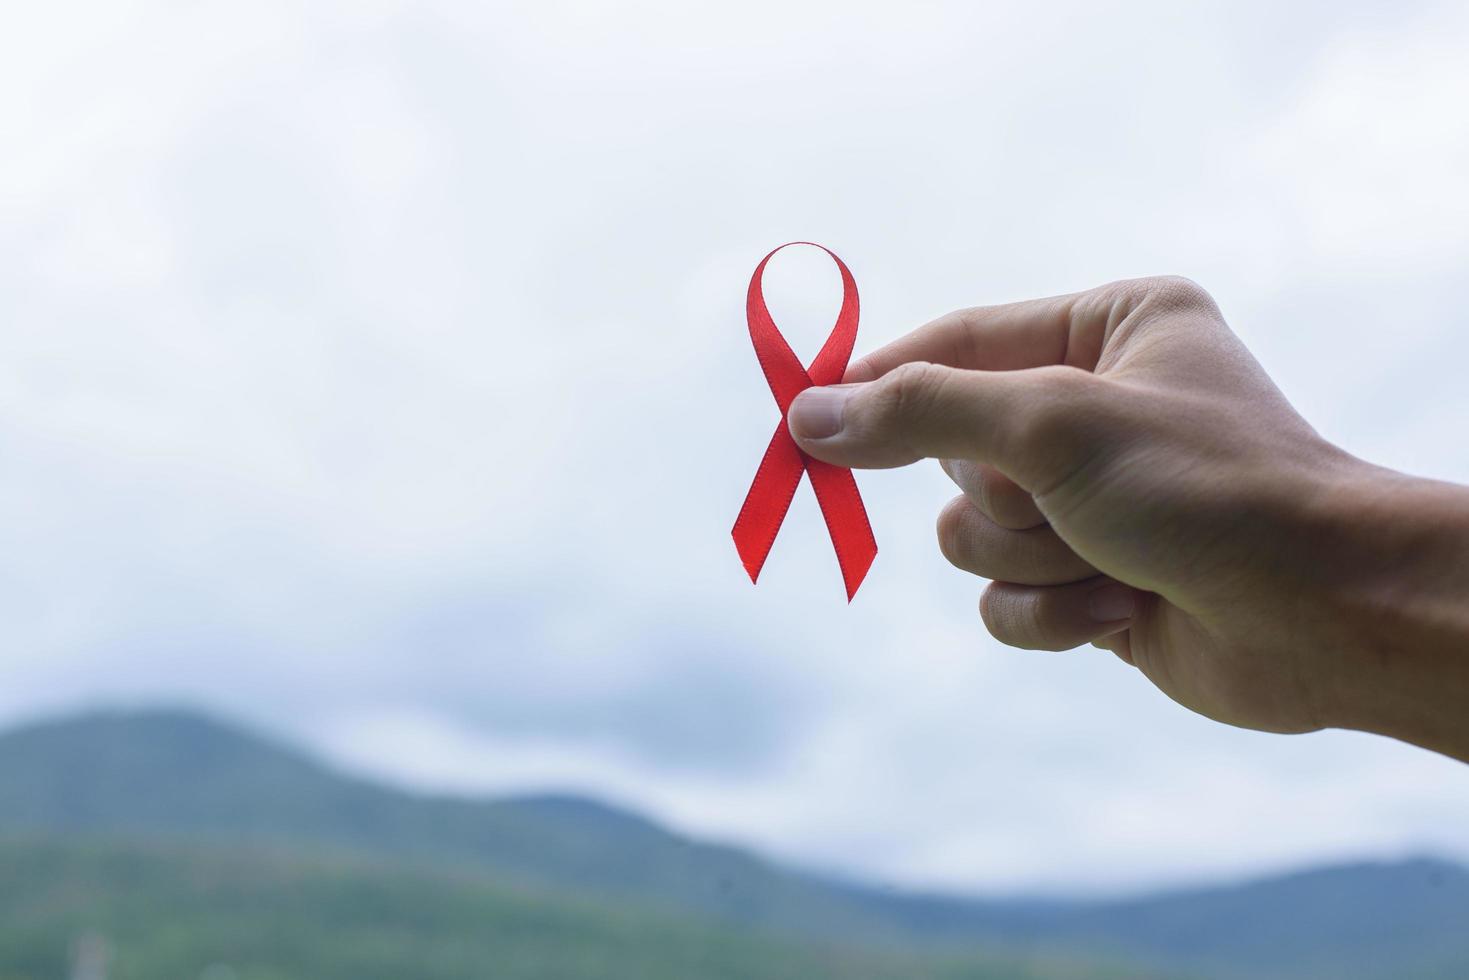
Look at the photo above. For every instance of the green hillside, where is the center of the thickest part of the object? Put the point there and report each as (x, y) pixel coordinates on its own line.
(186, 912)
(173, 775)
(104, 792)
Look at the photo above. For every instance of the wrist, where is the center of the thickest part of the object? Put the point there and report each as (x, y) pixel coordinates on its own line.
(1397, 610)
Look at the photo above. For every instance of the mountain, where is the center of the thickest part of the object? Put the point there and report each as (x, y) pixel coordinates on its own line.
(188, 781)
(253, 913)
(174, 775)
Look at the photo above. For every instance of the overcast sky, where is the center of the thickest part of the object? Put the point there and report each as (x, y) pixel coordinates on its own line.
(377, 373)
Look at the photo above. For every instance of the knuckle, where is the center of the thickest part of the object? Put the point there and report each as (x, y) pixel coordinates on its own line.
(1176, 293)
(968, 330)
(861, 370)
(907, 397)
(987, 489)
(1012, 618)
(1031, 627)
(953, 530)
(1171, 292)
(1181, 291)
(911, 387)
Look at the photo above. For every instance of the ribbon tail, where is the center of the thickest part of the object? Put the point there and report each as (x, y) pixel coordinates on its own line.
(846, 520)
(769, 498)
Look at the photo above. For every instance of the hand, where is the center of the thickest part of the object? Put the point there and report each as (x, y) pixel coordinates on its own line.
(1131, 477)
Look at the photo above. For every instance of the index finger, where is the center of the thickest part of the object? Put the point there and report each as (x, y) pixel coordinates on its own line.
(1067, 329)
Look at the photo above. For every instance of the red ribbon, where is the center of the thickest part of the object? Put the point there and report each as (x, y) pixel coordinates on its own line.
(780, 471)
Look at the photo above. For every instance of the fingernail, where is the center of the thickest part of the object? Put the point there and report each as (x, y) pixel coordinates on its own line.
(817, 412)
(1111, 603)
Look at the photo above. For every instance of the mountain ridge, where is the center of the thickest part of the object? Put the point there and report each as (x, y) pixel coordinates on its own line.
(180, 775)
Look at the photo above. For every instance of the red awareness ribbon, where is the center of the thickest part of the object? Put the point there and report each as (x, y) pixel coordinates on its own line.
(780, 471)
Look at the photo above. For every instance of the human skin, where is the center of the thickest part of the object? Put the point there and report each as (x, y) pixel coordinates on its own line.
(1132, 478)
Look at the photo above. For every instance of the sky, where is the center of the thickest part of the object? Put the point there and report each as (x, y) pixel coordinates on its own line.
(376, 373)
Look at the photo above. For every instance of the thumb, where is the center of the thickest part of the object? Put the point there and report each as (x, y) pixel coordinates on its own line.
(1030, 423)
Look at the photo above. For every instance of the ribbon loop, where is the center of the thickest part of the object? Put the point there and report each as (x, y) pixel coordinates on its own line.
(780, 470)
